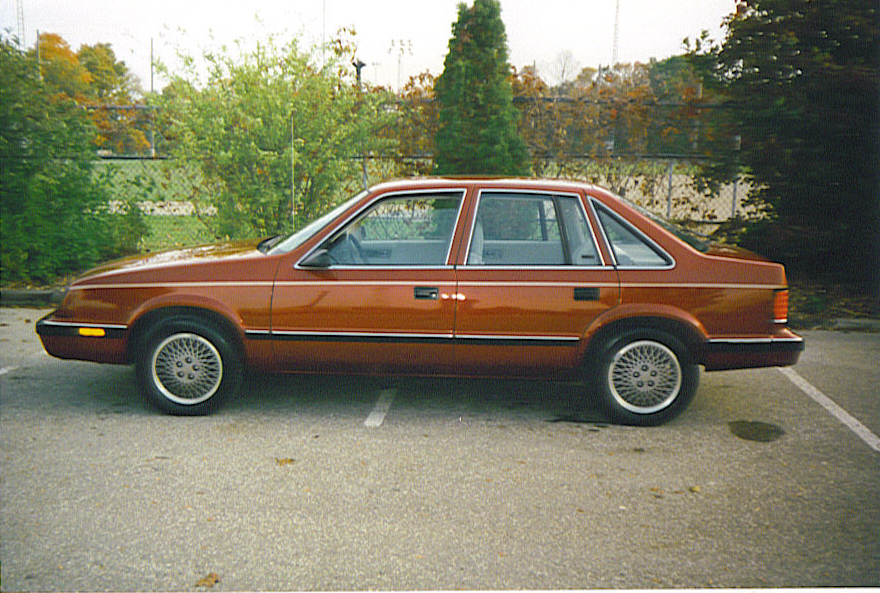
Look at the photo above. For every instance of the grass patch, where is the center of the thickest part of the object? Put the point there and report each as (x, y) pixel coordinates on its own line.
(814, 305)
(156, 181)
(174, 232)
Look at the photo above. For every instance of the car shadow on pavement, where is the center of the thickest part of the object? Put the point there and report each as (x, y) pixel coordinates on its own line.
(101, 390)
(487, 400)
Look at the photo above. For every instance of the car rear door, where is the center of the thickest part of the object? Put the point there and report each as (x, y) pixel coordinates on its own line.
(530, 281)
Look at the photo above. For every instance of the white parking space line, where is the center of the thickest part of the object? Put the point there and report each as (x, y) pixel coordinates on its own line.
(383, 404)
(835, 410)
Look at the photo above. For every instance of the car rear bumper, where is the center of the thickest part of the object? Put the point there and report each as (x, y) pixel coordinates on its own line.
(743, 353)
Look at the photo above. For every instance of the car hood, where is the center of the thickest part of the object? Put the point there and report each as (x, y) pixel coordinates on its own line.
(176, 258)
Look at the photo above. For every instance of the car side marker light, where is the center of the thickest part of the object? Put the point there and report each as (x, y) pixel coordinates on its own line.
(92, 332)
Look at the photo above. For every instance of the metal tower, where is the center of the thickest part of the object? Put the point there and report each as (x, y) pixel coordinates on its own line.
(19, 23)
(616, 31)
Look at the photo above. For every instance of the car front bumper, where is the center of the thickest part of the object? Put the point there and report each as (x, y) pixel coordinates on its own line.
(72, 340)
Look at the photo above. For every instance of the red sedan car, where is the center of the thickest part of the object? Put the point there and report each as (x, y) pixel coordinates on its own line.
(469, 277)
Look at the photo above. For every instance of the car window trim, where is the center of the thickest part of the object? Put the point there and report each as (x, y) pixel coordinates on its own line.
(380, 198)
(603, 265)
(637, 232)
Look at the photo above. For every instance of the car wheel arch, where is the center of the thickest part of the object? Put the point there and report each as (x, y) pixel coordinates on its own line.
(688, 331)
(142, 325)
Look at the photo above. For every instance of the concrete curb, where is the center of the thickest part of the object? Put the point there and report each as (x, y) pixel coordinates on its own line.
(857, 325)
(48, 297)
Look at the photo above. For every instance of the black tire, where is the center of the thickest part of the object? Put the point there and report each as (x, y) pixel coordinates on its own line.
(644, 377)
(186, 367)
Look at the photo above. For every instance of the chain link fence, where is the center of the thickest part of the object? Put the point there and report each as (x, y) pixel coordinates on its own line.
(669, 188)
(672, 189)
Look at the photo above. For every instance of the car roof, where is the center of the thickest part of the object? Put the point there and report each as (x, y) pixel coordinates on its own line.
(490, 182)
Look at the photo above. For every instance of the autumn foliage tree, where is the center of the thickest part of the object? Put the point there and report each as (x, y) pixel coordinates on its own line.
(415, 127)
(94, 78)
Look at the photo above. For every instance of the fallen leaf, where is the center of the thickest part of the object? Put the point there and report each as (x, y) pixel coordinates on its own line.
(209, 580)
(284, 461)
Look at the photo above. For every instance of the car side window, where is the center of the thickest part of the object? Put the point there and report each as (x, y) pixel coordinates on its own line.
(514, 229)
(411, 230)
(630, 248)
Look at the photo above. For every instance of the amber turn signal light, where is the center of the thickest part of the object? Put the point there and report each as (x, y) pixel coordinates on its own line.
(780, 306)
(92, 332)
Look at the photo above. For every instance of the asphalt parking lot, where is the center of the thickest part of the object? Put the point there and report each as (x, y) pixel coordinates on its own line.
(328, 483)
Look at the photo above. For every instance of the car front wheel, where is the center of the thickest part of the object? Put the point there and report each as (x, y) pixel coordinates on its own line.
(645, 377)
(187, 368)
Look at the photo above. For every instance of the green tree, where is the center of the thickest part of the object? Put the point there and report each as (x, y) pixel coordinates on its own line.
(802, 78)
(477, 122)
(256, 114)
(53, 208)
(111, 79)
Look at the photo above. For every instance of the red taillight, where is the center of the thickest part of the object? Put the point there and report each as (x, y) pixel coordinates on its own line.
(780, 306)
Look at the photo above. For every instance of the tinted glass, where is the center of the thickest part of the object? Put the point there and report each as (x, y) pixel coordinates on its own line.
(629, 247)
(517, 229)
(405, 230)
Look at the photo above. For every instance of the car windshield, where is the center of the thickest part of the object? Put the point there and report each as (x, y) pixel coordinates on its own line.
(294, 240)
(696, 240)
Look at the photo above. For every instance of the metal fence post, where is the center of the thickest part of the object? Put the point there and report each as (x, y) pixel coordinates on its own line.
(669, 193)
(733, 203)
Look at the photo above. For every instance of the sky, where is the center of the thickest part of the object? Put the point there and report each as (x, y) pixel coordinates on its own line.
(395, 38)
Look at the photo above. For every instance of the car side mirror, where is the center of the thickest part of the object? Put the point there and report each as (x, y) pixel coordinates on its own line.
(317, 259)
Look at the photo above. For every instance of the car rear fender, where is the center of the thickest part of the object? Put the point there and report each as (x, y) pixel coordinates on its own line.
(677, 322)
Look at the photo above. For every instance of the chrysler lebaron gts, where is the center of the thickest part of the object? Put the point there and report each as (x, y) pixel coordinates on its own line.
(457, 277)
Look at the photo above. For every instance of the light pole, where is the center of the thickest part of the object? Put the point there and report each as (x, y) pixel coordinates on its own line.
(292, 172)
(403, 46)
(358, 66)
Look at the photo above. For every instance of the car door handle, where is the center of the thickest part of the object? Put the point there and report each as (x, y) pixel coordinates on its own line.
(582, 293)
(428, 293)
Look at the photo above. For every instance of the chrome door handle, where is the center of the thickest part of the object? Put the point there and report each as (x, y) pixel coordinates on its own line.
(428, 293)
(586, 294)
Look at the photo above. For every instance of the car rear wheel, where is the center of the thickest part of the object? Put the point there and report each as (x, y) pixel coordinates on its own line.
(187, 368)
(645, 377)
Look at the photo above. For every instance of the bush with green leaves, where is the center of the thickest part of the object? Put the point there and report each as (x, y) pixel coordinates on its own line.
(259, 122)
(54, 212)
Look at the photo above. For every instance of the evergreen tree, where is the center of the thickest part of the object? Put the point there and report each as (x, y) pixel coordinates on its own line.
(477, 132)
(803, 81)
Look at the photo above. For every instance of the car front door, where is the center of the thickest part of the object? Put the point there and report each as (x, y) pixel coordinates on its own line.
(377, 294)
(531, 281)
